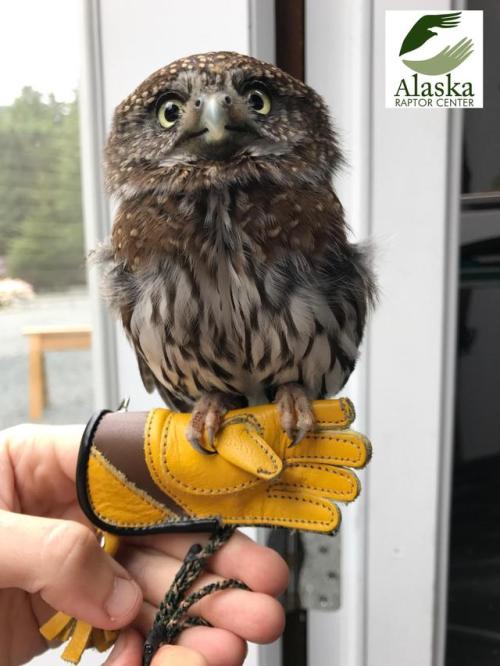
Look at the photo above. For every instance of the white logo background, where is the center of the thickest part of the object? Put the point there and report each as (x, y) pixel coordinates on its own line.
(397, 26)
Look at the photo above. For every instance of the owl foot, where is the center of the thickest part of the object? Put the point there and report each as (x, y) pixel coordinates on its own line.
(206, 419)
(296, 415)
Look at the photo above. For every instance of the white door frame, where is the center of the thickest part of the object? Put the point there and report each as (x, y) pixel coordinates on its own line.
(402, 188)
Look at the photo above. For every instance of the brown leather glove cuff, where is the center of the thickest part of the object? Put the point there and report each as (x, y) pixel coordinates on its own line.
(114, 486)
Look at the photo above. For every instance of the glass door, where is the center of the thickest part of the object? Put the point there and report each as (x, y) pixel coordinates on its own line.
(473, 631)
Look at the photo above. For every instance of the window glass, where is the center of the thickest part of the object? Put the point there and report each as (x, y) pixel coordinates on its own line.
(481, 166)
(474, 561)
(45, 363)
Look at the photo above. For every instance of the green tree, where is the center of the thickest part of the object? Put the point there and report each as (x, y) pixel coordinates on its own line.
(40, 194)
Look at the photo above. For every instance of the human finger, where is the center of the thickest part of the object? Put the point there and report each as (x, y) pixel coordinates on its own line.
(261, 568)
(251, 615)
(128, 652)
(63, 562)
(41, 460)
(178, 655)
(218, 646)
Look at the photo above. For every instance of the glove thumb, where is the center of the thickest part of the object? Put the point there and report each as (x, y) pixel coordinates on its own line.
(241, 445)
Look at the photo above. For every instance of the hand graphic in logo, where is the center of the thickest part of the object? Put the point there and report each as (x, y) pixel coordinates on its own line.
(448, 58)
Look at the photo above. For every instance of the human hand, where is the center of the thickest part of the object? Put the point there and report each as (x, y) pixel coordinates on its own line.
(128, 650)
(445, 61)
(50, 559)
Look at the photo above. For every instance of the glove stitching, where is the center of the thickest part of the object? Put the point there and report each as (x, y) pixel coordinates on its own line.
(244, 419)
(290, 521)
(152, 467)
(268, 453)
(347, 414)
(339, 472)
(116, 475)
(339, 440)
(171, 492)
(200, 491)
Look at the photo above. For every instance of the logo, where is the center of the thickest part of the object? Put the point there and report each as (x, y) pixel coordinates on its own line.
(434, 59)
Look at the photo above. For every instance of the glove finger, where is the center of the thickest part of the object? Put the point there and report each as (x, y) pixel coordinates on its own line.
(326, 481)
(336, 413)
(296, 510)
(347, 448)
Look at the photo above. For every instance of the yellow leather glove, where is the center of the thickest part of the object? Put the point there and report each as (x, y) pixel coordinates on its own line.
(138, 473)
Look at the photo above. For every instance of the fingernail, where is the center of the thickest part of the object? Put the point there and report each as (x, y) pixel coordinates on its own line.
(123, 598)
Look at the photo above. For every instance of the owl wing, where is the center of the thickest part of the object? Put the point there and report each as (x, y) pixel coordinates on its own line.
(151, 383)
(348, 286)
(148, 379)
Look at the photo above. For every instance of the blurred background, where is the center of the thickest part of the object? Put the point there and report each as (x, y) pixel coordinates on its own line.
(414, 577)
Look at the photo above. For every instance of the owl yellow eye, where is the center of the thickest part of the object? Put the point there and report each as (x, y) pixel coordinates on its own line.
(259, 101)
(169, 111)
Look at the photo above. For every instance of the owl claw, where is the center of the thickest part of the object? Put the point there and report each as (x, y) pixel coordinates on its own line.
(210, 436)
(197, 446)
(296, 415)
(206, 418)
(299, 436)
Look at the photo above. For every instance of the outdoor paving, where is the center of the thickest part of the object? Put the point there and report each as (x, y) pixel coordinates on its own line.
(69, 373)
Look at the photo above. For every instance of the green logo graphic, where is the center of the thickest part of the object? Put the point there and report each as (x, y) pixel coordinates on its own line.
(446, 60)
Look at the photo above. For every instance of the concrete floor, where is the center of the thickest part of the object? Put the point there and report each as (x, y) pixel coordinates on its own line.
(69, 373)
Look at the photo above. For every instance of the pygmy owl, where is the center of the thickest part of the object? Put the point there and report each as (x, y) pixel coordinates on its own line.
(229, 262)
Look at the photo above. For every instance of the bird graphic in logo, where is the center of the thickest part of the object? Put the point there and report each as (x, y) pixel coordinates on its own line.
(447, 59)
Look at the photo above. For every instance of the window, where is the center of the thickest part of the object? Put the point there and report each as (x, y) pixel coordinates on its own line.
(45, 363)
(474, 574)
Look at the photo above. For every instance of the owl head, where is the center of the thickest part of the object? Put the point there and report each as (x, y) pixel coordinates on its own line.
(218, 119)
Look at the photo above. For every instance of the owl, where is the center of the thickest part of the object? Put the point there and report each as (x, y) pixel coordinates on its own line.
(229, 262)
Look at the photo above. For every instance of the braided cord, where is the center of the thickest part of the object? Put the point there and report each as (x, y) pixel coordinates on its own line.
(171, 618)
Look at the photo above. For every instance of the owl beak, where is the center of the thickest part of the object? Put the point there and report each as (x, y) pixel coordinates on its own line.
(214, 116)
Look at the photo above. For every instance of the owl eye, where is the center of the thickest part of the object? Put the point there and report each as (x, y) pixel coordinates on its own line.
(169, 111)
(259, 101)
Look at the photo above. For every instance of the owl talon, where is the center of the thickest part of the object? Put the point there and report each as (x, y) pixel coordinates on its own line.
(210, 436)
(299, 436)
(206, 419)
(296, 416)
(197, 446)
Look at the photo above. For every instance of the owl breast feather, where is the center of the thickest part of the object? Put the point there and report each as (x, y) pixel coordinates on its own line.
(243, 334)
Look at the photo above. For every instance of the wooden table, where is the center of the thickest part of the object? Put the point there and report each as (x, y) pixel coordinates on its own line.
(49, 338)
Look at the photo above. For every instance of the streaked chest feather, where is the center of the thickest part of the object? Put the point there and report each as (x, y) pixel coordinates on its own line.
(238, 332)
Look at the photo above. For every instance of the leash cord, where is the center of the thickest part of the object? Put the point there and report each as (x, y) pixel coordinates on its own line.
(171, 618)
